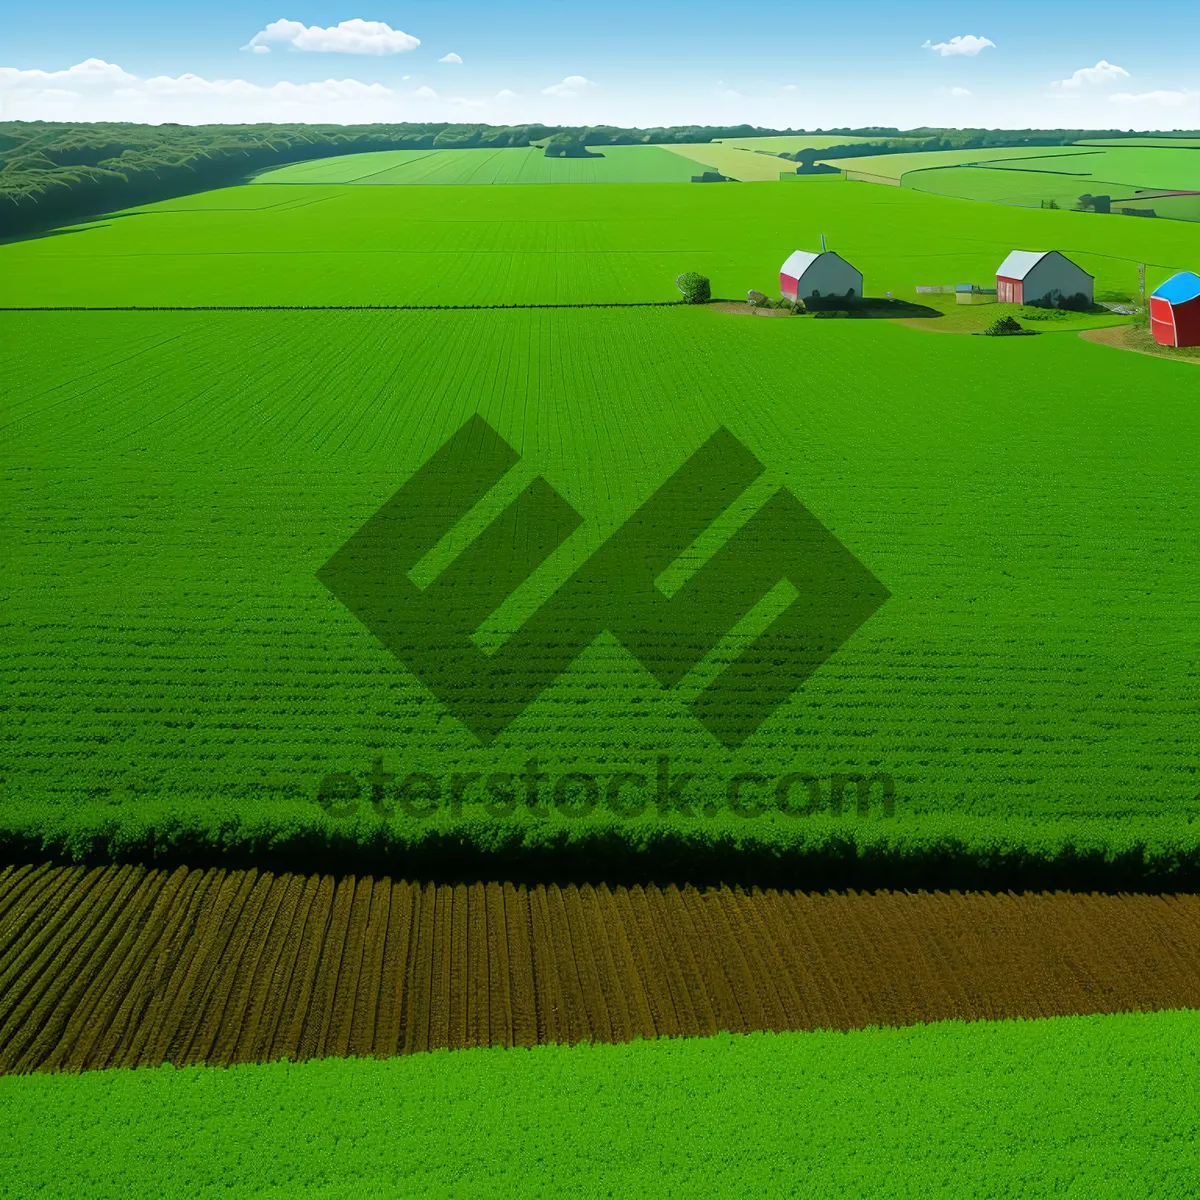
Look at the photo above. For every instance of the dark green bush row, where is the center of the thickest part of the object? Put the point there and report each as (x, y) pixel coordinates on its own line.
(814, 853)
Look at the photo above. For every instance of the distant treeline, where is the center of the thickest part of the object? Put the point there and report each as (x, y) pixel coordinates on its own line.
(52, 173)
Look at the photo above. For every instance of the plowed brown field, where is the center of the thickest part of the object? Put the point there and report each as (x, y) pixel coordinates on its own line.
(126, 966)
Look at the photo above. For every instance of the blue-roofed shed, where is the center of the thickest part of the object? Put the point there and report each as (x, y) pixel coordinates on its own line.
(1175, 311)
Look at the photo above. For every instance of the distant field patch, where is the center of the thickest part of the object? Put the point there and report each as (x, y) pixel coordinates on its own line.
(1147, 167)
(756, 159)
(613, 164)
(743, 165)
(893, 166)
(1033, 188)
(1166, 142)
(1134, 175)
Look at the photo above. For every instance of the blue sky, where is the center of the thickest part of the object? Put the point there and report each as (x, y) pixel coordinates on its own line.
(771, 62)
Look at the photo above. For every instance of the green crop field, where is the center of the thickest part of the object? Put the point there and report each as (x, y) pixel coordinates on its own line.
(348, 245)
(613, 164)
(1090, 1107)
(175, 673)
(894, 166)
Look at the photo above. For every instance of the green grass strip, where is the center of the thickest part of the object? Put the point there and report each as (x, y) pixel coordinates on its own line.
(1087, 1107)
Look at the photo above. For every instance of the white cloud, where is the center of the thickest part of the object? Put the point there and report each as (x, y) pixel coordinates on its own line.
(100, 91)
(1160, 99)
(450, 58)
(1102, 72)
(193, 85)
(347, 37)
(788, 87)
(960, 91)
(506, 94)
(92, 72)
(572, 86)
(280, 32)
(425, 93)
(968, 45)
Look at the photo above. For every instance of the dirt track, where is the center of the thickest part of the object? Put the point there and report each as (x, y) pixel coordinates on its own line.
(1140, 341)
(125, 966)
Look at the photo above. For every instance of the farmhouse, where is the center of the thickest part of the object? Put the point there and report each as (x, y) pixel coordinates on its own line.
(1046, 278)
(806, 275)
(1175, 311)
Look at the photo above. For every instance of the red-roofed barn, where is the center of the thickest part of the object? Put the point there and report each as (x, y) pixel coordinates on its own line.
(1046, 278)
(807, 276)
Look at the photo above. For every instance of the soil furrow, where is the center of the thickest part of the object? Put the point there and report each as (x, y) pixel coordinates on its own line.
(393, 972)
(526, 1006)
(366, 997)
(349, 971)
(327, 966)
(285, 1039)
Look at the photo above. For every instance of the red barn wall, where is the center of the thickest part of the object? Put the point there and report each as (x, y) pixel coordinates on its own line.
(1008, 291)
(1187, 323)
(1162, 322)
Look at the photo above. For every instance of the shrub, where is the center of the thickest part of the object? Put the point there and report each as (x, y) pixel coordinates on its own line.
(694, 288)
(756, 299)
(1006, 327)
(831, 312)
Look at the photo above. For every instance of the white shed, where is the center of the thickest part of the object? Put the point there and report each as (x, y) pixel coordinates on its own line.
(1046, 278)
(806, 275)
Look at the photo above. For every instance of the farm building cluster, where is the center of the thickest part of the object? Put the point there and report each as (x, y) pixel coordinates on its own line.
(1042, 278)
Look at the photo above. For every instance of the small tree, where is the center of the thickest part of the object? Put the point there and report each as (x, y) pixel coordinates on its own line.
(694, 289)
